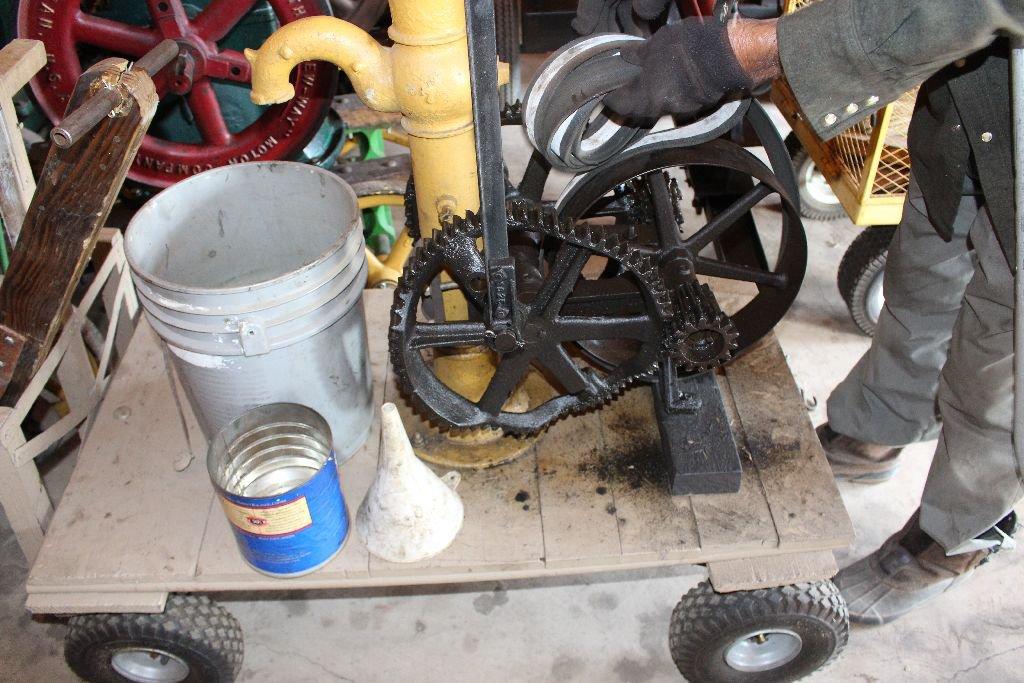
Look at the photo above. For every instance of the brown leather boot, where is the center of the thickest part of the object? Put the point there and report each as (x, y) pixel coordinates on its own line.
(907, 571)
(857, 461)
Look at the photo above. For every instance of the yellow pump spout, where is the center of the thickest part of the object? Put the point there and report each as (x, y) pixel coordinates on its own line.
(366, 62)
(424, 75)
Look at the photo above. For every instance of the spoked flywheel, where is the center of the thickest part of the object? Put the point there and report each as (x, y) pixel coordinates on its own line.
(563, 304)
(641, 194)
(205, 117)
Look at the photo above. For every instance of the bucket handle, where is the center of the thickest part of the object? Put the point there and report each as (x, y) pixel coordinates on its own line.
(253, 337)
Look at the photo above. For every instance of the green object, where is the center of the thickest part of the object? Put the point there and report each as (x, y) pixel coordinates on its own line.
(378, 226)
(4, 260)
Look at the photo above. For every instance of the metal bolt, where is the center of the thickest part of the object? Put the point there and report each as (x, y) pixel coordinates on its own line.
(986, 137)
(831, 119)
(505, 341)
(873, 100)
(852, 108)
(3, 364)
(417, 439)
(122, 413)
(9, 340)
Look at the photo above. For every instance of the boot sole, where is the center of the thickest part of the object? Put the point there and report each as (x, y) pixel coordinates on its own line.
(866, 479)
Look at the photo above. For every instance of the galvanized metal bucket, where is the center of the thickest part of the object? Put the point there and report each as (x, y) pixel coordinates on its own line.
(277, 479)
(252, 275)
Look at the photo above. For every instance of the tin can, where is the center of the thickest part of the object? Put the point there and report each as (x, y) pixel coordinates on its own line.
(275, 472)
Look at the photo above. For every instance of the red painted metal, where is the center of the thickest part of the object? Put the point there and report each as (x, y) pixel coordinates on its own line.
(281, 132)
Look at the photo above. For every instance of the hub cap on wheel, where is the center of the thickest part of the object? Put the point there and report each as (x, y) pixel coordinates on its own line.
(875, 299)
(763, 650)
(149, 665)
(205, 119)
(815, 186)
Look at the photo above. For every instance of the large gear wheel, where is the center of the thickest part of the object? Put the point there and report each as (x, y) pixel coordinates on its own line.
(566, 306)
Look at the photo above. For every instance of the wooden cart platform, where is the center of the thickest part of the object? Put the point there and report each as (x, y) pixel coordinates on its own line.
(139, 518)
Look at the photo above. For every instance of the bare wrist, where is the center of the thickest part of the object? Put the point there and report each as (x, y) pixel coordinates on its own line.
(755, 45)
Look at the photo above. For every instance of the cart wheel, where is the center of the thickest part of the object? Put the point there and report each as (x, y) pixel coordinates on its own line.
(775, 634)
(195, 639)
(861, 273)
(817, 200)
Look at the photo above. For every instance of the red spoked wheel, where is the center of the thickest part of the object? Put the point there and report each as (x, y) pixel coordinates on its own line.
(199, 83)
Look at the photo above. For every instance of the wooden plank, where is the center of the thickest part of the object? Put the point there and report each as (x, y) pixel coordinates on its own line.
(74, 372)
(773, 570)
(19, 61)
(798, 483)
(76, 191)
(577, 505)
(502, 526)
(735, 521)
(92, 555)
(652, 524)
(127, 515)
(93, 603)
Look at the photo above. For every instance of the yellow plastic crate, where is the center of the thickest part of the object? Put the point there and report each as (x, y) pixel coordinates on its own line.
(868, 165)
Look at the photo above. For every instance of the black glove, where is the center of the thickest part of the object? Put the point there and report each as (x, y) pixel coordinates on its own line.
(615, 16)
(683, 69)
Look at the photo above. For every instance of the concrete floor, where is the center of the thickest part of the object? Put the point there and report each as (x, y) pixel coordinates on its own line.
(611, 627)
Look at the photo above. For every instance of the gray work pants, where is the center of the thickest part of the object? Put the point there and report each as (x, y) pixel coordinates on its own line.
(944, 344)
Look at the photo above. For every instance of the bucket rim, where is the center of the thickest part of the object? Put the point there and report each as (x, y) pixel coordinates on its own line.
(331, 249)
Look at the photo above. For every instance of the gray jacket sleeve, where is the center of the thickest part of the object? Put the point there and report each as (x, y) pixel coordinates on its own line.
(846, 58)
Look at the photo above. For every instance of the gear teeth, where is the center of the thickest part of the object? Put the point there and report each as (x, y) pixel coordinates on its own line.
(698, 312)
(524, 215)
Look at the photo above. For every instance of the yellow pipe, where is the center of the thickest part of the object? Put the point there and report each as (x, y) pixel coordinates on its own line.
(366, 61)
(424, 75)
(386, 273)
(377, 274)
(396, 137)
(372, 201)
(399, 252)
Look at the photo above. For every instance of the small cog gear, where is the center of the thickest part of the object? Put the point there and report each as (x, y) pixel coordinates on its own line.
(703, 337)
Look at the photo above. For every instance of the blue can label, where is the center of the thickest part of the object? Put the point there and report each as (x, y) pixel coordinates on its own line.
(294, 532)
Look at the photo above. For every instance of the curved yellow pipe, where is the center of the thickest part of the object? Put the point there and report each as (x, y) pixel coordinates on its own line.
(367, 63)
(371, 201)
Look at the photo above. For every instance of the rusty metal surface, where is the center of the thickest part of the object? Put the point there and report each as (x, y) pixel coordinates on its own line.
(355, 114)
(387, 175)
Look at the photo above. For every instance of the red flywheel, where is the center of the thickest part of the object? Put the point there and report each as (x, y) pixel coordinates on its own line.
(75, 32)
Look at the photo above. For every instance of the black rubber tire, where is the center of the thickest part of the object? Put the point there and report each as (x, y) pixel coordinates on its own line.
(863, 261)
(508, 29)
(705, 623)
(193, 628)
(809, 206)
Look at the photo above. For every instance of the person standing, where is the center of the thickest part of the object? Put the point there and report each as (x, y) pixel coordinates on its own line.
(941, 363)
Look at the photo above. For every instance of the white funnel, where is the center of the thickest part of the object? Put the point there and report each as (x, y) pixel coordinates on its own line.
(409, 513)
